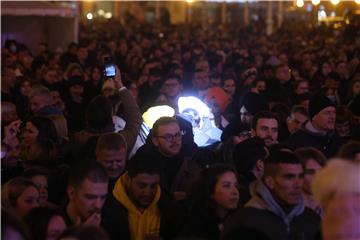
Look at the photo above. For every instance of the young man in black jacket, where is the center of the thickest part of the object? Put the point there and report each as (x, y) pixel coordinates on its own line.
(276, 207)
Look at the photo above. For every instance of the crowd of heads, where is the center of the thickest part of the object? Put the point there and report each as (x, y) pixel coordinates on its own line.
(77, 163)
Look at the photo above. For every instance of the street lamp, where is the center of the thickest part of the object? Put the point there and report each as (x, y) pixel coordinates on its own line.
(89, 16)
(335, 2)
(315, 2)
(300, 3)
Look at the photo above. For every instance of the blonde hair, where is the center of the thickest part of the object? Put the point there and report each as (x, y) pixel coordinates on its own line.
(12, 190)
(60, 124)
(7, 107)
(339, 177)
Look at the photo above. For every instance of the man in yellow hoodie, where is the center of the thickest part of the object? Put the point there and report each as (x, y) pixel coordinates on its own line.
(136, 209)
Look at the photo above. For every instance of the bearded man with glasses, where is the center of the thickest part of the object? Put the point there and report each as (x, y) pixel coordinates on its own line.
(166, 149)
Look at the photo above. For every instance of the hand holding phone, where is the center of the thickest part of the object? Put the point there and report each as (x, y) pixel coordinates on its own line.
(110, 70)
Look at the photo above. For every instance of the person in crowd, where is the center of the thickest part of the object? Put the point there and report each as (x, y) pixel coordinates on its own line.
(319, 131)
(241, 123)
(166, 147)
(277, 200)
(229, 85)
(344, 122)
(265, 126)
(150, 90)
(217, 100)
(8, 78)
(39, 128)
(297, 117)
(12, 228)
(74, 103)
(20, 195)
(354, 89)
(172, 89)
(98, 118)
(92, 88)
(82, 55)
(312, 160)
(50, 78)
(111, 153)
(137, 208)
(249, 156)
(41, 101)
(45, 223)
(58, 102)
(22, 101)
(336, 188)
(280, 88)
(214, 197)
(39, 177)
(8, 113)
(350, 151)
(87, 191)
(301, 87)
(11, 162)
(200, 82)
(72, 70)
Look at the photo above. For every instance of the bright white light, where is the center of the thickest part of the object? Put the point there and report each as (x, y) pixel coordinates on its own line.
(108, 15)
(193, 103)
(357, 1)
(101, 12)
(89, 16)
(300, 3)
(199, 115)
(189, 1)
(321, 15)
(335, 2)
(315, 2)
(154, 113)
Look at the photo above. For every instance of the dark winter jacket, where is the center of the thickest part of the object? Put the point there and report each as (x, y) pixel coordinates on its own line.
(307, 136)
(262, 213)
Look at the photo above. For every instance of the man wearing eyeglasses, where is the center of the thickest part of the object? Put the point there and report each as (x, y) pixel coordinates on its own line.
(167, 136)
(166, 149)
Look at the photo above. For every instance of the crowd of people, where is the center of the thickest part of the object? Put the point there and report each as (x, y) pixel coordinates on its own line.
(78, 162)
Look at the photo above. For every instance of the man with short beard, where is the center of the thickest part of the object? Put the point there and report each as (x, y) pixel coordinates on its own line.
(276, 207)
(265, 126)
(166, 150)
(137, 207)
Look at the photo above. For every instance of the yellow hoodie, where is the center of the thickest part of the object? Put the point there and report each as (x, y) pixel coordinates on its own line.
(141, 224)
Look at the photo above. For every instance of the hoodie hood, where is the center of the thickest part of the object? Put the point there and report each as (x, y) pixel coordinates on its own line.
(141, 224)
(309, 128)
(262, 199)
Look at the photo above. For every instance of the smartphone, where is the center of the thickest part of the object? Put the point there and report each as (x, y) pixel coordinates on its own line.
(109, 67)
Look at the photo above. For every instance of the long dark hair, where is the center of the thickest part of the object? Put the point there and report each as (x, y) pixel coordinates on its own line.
(38, 220)
(202, 216)
(45, 127)
(204, 187)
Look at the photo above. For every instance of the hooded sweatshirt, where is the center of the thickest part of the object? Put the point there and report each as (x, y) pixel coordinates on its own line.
(262, 199)
(141, 224)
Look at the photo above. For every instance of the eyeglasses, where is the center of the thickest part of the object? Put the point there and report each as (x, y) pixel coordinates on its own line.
(169, 137)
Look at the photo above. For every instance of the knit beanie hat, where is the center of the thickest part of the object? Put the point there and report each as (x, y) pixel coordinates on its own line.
(255, 103)
(318, 103)
(219, 95)
(76, 80)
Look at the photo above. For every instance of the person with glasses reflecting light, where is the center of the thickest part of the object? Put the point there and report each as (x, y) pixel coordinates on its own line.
(165, 149)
